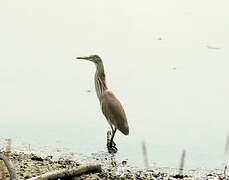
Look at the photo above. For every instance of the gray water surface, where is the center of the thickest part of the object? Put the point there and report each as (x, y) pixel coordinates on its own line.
(167, 61)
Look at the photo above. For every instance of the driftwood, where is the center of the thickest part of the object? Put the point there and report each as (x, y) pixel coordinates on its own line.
(69, 173)
(9, 166)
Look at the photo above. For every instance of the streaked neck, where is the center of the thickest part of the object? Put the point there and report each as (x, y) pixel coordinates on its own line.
(100, 80)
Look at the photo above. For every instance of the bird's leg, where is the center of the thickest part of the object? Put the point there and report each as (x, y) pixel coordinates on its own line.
(112, 128)
(109, 136)
(111, 139)
(110, 143)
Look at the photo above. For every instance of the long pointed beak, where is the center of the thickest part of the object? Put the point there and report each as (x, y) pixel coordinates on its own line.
(84, 57)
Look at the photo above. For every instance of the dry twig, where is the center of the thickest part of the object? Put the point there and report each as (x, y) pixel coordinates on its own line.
(69, 173)
(9, 166)
(225, 173)
(182, 162)
(180, 175)
(145, 156)
(8, 145)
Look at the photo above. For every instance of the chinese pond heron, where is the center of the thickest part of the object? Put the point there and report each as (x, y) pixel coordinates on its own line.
(110, 105)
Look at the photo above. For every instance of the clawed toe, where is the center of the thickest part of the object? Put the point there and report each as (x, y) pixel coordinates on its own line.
(110, 143)
(112, 149)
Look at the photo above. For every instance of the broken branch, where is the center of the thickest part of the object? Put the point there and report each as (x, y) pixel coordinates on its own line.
(69, 173)
(9, 166)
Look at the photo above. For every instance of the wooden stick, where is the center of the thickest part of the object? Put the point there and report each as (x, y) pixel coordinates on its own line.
(182, 163)
(69, 173)
(145, 156)
(225, 172)
(9, 166)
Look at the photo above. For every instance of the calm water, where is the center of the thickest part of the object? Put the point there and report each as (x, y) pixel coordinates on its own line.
(166, 61)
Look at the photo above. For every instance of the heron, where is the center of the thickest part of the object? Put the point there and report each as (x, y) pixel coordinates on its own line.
(110, 105)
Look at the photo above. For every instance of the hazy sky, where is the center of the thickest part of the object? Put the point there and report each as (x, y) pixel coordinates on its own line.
(159, 56)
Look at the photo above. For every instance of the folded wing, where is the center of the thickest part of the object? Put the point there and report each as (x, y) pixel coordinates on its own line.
(114, 112)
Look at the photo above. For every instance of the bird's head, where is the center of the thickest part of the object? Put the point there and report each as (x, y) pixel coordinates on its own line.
(94, 58)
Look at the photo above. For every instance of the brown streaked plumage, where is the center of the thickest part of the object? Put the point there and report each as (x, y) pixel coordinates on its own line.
(110, 105)
(114, 112)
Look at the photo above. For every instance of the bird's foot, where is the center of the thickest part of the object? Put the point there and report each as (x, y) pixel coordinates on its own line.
(111, 145)
(112, 149)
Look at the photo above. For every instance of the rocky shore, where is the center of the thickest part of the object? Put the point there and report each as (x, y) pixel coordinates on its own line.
(28, 165)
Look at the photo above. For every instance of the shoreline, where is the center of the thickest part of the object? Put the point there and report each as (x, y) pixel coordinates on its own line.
(28, 165)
